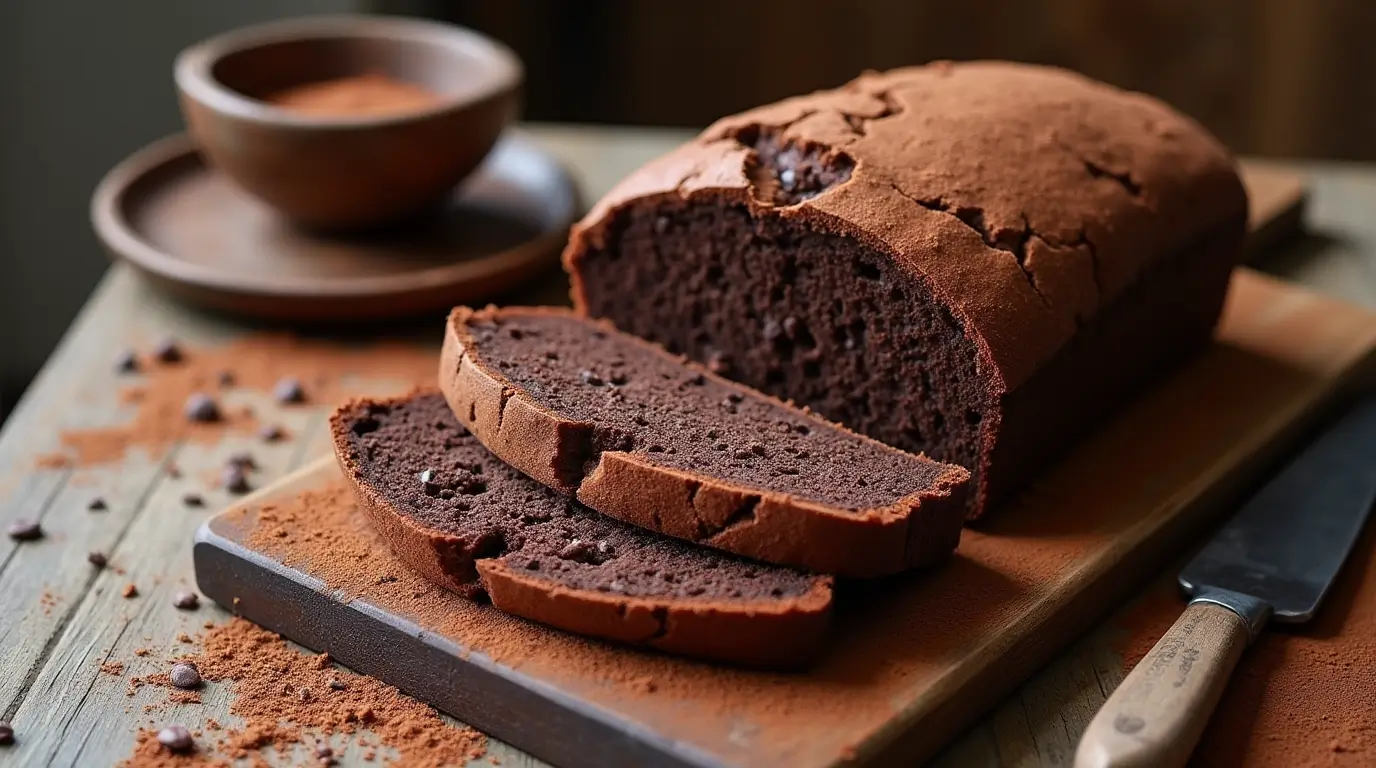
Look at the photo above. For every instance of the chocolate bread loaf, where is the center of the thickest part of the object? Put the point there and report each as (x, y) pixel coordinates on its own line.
(972, 260)
(466, 521)
(648, 438)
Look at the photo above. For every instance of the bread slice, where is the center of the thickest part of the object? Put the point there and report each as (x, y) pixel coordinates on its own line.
(475, 526)
(646, 437)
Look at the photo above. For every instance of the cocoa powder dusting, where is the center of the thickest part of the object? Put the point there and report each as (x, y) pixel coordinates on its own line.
(368, 95)
(267, 677)
(326, 370)
(1302, 695)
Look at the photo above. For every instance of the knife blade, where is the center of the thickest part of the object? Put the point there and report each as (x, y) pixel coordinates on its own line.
(1276, 558)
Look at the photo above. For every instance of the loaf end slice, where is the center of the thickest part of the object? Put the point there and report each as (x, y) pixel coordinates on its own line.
(476, 526)
(646, 437)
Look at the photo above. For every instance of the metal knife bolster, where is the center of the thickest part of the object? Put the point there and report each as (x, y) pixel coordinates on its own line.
(1253, 611)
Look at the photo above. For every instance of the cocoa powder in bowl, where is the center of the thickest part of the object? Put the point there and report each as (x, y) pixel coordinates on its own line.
(367, 95)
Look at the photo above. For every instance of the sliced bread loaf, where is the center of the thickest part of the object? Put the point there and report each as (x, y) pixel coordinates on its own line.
(463, 519)
(646, 437)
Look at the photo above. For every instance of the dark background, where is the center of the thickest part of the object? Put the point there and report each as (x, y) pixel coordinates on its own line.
(85, 83)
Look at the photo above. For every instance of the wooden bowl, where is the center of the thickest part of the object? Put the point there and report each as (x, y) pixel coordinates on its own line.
(352, 171)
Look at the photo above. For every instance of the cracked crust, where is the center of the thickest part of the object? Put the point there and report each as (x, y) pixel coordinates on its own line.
(918, 529)
(1026, 200)
(777, 632)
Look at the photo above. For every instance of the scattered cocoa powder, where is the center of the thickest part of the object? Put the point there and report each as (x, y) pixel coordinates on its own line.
(329, 370)
(115, 668)
(266, 676)
(1302, 695)
(368, 95)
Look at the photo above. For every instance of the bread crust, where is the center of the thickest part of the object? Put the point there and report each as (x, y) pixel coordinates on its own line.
(785, 632)
(919, 529)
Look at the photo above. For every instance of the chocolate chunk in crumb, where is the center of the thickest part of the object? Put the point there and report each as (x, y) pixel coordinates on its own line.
(98, 559)
(289, 390)
(97, 504)
(186, 601)
(185, 675)
(201, 407)
(6, 734)
(193, 500)
(176, 738)
(167, 351)
(127, 362)
(234, 479)
(271, 433)
(427, 481)
(24, 530)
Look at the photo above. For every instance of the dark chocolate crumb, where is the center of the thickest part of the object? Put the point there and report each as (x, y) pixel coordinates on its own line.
(289, 390)
(185, 675)
(271, 433)
(97, 504)
(201, 407)
(24, 530)
(176, 738)
(98, 559)
(234, 479)
(168, 351)
(186, 601)
(127, 362)
(193, 500)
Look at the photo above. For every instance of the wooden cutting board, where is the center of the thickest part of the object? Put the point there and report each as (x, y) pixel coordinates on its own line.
(912, 659)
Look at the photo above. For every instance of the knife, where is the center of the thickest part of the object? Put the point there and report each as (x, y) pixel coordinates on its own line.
(1274, 560)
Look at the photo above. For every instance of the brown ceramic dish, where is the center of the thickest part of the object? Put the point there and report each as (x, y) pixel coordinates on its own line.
(347, 172)
(195, 233)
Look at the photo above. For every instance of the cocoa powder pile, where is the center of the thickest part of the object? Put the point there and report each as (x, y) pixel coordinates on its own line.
(368, 95)
(287, 698)
(1302, 695)
(159, 389)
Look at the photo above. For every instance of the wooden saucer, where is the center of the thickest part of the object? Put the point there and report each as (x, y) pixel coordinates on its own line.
(188, 228)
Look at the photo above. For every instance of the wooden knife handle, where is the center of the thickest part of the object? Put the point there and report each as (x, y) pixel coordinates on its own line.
(1156, 716)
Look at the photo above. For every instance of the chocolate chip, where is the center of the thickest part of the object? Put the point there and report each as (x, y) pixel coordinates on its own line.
(234, 479)
(757, 449)
(185, 675)
(516, 334)
(242, 459)
(127, 362)
(24, 530)
(576, 550)
(337, 685)
(176, 738)
(590, 378)
(225, 378)
(288, 389)
(6, 734)
(201, 407)
(427, 481)
(618, 378)
(96, 505)
(168, 351)
(271, 433)
(186, 601)
(193, 500)
(98, 559)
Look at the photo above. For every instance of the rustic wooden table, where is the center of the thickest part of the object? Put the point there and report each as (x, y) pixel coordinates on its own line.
(59, 616)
